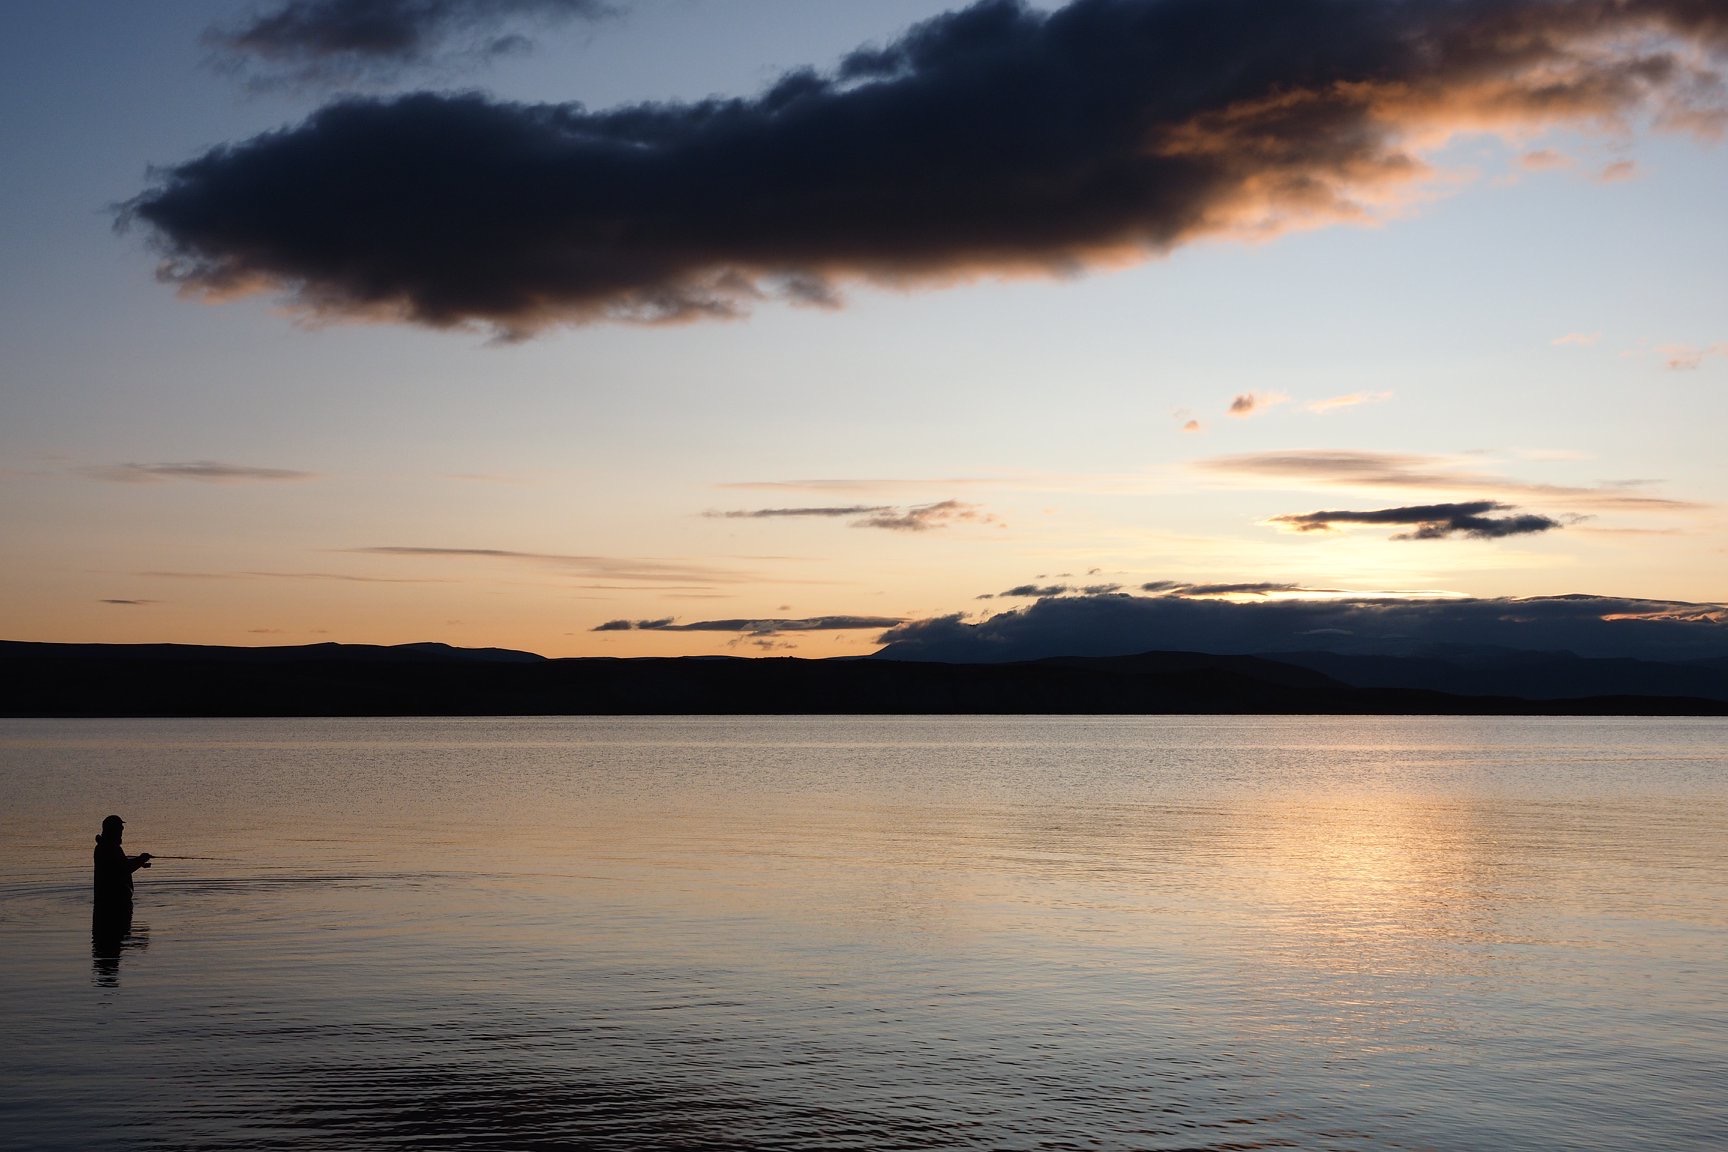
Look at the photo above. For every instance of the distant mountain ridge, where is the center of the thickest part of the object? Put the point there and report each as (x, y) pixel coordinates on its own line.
(1513, 672)
(267, 654)
(438, 680)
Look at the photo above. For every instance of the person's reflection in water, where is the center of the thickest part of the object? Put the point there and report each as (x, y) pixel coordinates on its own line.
(112, 933)
(111, 912)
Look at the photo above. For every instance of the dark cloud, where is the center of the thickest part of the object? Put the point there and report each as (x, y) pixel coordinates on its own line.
(994, 140)
(1255, 588)
(209, 471)
(916, 518)
(333, 41)
(1599, 626)
(1249, 403)
(1036, 590)
(129, 603)
(1432, 521)
(754, 627)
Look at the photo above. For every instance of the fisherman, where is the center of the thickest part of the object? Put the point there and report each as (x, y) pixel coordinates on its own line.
(114, 868)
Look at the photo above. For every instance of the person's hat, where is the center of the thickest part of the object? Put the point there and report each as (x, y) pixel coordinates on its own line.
(112, 822)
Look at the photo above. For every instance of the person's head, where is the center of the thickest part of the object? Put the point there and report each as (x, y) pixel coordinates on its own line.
(112, 827)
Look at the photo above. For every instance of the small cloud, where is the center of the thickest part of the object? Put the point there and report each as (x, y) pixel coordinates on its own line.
(1255, 588)
(1191, 426)
(1350, 400)
(897, 518)
(129, 603)
(266, 631)
(924, 517)
(1544, 160)
(1024, 590)
(1431, 521)
(779, 513)
(1617, 171)
(1357, 469)
(1252, 403)
(1578, 339)
(625, 572)
(1685, 357)
(206, 471)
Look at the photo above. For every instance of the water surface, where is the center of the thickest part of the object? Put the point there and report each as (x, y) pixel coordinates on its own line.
(871, 932)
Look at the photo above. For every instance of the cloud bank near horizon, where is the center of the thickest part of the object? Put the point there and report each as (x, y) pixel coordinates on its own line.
(1122, 625)
(995, 140)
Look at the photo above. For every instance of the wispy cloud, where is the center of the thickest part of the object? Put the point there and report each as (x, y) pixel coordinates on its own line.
(1342, 468)
(779, 513)
(926, 517)
(750, 627)
(910, 485)
(346, 577)
(1118, 130)
(894, 518)
(1431, 521)
(302, 42)
(1248, 588)
(129, 603)
(625, 569)
(1577, 339)
(1617, 171)
(1687, 357)
(1349, 400)
(1543, 160)
(204, 471)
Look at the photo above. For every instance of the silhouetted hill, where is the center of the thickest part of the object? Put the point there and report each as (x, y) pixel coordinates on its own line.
(275, 654)
(1532, 675)
(415, 680)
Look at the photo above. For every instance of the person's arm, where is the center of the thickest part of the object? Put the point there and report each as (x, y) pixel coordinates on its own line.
(142, 860)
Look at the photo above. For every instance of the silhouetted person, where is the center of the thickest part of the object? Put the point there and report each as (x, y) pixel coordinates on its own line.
(114, 868)
(111, 912)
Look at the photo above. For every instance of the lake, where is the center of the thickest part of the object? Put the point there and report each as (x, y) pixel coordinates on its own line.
(870, 933)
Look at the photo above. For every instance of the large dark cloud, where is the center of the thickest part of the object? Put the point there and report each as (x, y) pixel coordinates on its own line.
(993, 140)
(1601, 626)
(326, 41)
(1432, 521)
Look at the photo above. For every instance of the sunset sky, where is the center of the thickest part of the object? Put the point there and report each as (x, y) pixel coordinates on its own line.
(661, 327)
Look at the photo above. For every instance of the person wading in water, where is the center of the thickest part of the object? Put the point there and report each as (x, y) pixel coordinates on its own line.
(114, 868)
(111, 913)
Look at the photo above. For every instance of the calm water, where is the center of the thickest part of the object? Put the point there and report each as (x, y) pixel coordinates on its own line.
(871, 933)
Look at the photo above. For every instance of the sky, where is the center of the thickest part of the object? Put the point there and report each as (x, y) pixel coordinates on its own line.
(771, 327)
